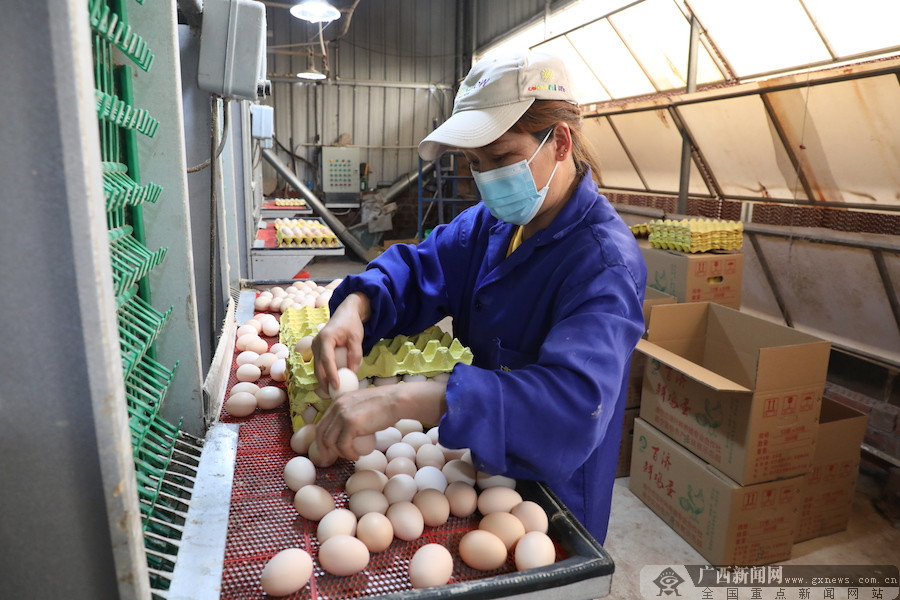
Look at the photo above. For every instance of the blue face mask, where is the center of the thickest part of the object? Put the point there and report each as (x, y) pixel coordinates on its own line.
(510, 192)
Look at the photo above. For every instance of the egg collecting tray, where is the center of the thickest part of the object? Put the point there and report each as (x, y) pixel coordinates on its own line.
(263, 521)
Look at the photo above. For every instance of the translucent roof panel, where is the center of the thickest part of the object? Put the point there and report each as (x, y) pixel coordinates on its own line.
(616, 170)
(659, 36)
(761, 36)
(578, 13)
(847, 136)
(610, 60)
(587, 88)
(742, 148)
(857, 28)
(654, 142)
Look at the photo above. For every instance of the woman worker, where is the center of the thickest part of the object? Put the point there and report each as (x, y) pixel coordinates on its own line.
(543, 280)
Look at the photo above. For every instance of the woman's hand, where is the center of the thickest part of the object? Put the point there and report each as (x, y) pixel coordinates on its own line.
(372, 409)
(343, 330)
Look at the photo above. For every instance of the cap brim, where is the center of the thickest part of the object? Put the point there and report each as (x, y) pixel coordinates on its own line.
(472, 128)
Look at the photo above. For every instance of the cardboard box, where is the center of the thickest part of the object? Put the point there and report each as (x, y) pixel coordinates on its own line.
(740, 392)
(636, 373)
(624, 467)
(727, 523)
(829, 487)
(701, 277)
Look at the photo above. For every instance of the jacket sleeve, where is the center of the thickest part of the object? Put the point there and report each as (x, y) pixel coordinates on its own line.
(407, 285)
(544, 420)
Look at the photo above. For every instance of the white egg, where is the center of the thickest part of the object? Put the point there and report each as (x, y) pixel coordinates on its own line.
(400, 488)
(262, 302)
(431, 565)
(412, 378)
(302, 438)
(486, 480)
(534, 549)
(279, 350)
(299, 472)
(416, 439)
(286, 572)
(379, 381)
(271, 328)
(348, 383)
(240, 404)
(303, 347)
(246, 357)
(255, 323)
(406, 426)
(386, 437)
(270, 397)
(265, 362)
(343, 555)
(430, 478)
(248, 372)
(244, 386)
(373, 461)
(340, 521)
(278, 370)
(246, 330)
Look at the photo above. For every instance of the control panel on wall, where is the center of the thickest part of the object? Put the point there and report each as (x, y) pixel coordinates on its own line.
(340, 174)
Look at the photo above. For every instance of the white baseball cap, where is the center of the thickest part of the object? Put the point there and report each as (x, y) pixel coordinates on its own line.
(494, 95)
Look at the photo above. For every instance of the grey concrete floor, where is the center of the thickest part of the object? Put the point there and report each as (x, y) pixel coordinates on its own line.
(637, 537)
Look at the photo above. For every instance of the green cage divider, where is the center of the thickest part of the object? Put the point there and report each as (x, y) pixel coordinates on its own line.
(119, 33)
(130, 259)
(121, 190)
(139, 325)
(112, 109)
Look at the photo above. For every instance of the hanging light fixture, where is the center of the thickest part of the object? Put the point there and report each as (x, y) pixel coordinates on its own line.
(311, 73)
(315, 11)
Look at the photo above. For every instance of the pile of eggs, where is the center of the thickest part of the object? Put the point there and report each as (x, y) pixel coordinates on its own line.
(404, 482)
(256, 359)
(297, 295)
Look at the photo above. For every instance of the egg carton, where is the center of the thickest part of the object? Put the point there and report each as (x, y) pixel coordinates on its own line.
(427, 354)
(289, 202)
(696, 235)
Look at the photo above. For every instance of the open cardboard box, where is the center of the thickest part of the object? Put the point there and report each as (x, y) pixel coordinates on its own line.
(828, 488)
(740, 392)
(636, 372)
(727, 523)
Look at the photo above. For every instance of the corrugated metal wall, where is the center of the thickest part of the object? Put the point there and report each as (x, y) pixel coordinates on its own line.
(390, 47)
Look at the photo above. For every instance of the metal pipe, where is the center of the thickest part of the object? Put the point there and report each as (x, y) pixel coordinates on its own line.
(406, 180)
(686, 145)
(317, 206)
(288, 78)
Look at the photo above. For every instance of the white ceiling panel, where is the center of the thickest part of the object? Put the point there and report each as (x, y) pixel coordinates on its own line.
(616, 170)
(761, 36)
(659, 35)
(610, 60)
(860, 27)
(654, 143)
(584, 82)
(742, 148)
(848, 137)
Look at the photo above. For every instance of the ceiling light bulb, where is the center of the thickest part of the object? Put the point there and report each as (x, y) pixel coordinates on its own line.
(315, 11)
(312, 74)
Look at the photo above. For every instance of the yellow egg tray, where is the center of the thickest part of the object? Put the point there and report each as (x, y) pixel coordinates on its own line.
(319, 236)
(695, 235)
(428, 353)
(289, 202)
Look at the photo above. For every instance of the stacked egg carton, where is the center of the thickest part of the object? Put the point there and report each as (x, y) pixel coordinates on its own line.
(289, 202)
(431, 354)
(307, 233)
(696, 235)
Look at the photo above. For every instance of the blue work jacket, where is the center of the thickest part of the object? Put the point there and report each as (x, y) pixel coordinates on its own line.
(551, 326)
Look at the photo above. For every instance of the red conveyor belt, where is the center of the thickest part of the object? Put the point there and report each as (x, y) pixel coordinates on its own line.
(263, 521)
